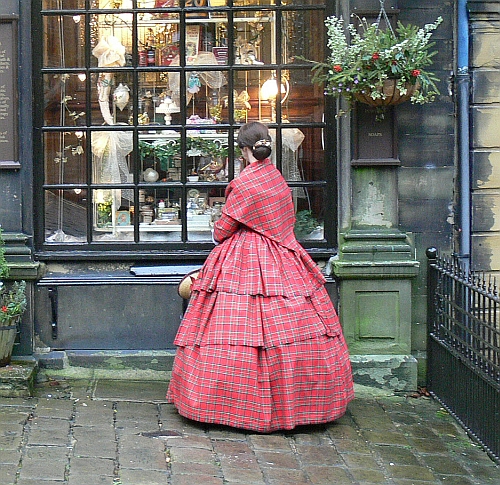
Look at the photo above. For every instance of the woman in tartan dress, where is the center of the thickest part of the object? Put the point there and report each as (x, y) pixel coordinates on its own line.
(260, 346)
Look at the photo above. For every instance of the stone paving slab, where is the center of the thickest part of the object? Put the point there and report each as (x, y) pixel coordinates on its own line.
(93, 432)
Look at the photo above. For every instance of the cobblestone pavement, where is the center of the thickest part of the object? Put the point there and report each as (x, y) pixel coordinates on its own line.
(93, 432)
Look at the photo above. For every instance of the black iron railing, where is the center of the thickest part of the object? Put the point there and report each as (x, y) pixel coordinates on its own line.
(464, 348)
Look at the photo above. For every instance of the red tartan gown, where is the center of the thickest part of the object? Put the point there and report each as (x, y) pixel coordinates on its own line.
(260, 346)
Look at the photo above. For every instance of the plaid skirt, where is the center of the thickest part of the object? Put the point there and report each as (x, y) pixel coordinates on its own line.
(257, 351)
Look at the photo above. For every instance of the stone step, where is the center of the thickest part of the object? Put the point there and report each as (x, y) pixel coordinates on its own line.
(18, 378)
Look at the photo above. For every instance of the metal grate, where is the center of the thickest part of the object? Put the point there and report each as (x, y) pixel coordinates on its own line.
(464, 348)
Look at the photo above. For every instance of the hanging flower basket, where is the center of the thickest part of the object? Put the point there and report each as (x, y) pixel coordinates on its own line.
(378, 66)
(8, 333)
(390, 94)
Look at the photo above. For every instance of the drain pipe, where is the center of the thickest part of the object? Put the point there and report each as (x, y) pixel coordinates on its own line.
(464, 176)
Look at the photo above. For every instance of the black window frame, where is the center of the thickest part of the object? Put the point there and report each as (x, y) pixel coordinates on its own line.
(169, 250)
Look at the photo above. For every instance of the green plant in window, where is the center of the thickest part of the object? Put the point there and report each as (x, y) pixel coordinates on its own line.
(166, 152)
(305, 223)
(208, 148)
(104, 212)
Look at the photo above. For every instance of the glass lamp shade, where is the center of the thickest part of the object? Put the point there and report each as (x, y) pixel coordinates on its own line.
(269, 89)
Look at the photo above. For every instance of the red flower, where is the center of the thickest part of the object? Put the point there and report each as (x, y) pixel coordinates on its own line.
(415, 72)
(394, 62)
(375, 56)
(337, 68)
(4, 309)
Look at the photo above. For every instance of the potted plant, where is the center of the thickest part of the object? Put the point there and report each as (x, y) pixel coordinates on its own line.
(104, 212)
(164, 152)
(12, 306)
(305, 223)
(167, 151)
(379, 67)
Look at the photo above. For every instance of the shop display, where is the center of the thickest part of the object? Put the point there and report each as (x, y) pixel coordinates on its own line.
(166, 86)
(206, 97)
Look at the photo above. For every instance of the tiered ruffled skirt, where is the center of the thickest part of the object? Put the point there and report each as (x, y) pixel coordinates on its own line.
(260, 346)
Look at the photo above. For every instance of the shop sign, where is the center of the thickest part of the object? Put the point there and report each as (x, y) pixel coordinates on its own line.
(8, 93)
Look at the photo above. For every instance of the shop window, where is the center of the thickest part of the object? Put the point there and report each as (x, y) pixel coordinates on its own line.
(139, 107)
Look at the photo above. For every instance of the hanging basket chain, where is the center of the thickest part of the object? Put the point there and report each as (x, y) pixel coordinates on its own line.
(383, 14)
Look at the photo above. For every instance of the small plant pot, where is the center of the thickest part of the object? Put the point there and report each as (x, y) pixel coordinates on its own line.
(7, 338)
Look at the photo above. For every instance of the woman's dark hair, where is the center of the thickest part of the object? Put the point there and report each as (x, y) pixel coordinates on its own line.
(256, 136)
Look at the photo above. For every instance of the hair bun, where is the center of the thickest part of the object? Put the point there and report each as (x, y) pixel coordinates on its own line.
(261, 149)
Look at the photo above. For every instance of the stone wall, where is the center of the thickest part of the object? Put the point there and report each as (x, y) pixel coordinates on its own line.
(485, 134)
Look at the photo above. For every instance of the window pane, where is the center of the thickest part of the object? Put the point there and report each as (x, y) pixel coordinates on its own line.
(64, 99)
(153, 90)
(301, 154)
(114, 214)
(65, 216)
(311, 155)
(296, 39)
(207, 152)
(309, 224)
(111, 163)
(160, 213)
(305, 100)
(306, 3)
(111, 95)
(157, 3)
(289, 152)
(58, 4)
(154, 120)
(252, 31)
(246, 3)
(64, 41)
(199, 214)
(160, 156)
(111, 39)
(65, 158)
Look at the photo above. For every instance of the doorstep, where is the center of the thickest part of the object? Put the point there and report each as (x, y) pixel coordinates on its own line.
(107, 364)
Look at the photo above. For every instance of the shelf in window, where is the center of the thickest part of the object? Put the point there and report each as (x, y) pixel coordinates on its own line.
(194, 20)
(145, 227)
(175, 136)
(207, 20)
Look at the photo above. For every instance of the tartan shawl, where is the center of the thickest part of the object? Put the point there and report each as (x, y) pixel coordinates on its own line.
(261, 200)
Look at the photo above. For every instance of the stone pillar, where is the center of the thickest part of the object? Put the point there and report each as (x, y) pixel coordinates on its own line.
(22, 267)
(376, 262)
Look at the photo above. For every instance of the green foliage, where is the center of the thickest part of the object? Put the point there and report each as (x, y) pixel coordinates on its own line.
(104, 212)
(305, 223)
(163, 152)
(12, 301)
(12, 298)
(166, 151)
(4, 268)
(373, 55)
